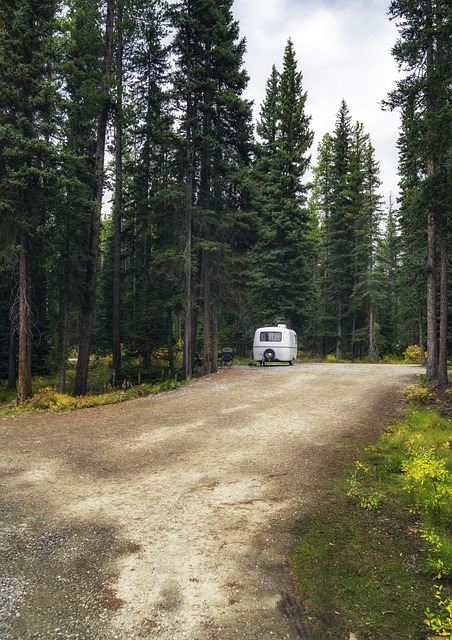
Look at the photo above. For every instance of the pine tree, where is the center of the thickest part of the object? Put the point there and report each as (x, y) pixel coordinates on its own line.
(424, 50)
(28, 161)
(339, 237)
(81, 56)
(215, 135)
(92, 262)
(345, 194)
(280, 263)
(151, 249)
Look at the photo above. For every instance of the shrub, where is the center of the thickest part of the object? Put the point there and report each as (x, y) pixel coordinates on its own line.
(418, 395)
(427, 479)
(413, 354)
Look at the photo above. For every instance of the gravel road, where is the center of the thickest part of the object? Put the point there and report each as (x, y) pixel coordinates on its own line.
(171, 517)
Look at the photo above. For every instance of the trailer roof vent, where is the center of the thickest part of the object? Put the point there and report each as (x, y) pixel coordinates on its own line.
(282, 326)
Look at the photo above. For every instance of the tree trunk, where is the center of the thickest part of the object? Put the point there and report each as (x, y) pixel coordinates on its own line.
(372, 345)
(116, 319)
(353, 337)
(12, 356)
(169, 339)
(338, 351)
(432, 340)
(188, 338)
(442, 359)
(88, 303)
(64, 319)
(215, 346)
(206, 353)
(24, 389)
(421, 341)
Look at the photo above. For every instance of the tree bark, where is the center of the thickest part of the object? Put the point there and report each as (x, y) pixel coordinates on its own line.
(338, 351)
(215, 345)
(421, 340)
(169, 339)
(116, 319)
(12, 354)
(88, 304)
(64, 319)
(189, 351)
(206, 353)
(24, 387)
(442, 355)
(432, 340)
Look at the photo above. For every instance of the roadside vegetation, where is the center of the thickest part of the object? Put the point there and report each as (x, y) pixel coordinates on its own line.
(375, 561)
(134, 382)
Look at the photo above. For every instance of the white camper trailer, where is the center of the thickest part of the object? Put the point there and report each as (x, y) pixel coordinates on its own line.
(275, 344)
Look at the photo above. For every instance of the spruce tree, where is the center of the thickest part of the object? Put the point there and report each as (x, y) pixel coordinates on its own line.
(345, 194)
(215, 136)
(424, 51)
(339, 236)
(28, 162)
(81, 55)
(281, 284)
(92, 260)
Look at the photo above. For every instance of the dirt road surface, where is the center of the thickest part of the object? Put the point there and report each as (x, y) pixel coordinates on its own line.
(171, 517)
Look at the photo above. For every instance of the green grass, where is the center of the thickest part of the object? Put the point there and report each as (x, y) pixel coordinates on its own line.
(372, 571)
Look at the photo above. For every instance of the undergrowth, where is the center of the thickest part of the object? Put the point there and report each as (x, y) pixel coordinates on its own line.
(47, 399)
(376, 560)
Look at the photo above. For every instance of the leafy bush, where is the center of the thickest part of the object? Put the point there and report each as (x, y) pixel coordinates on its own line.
(418, 395)
(440, 620)
(427, 479)
(413, 354)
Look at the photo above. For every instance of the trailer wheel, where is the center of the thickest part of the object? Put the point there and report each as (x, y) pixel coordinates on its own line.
(269, 354)
(290, 363)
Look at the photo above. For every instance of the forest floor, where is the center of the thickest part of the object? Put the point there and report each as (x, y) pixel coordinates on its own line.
(172, 516)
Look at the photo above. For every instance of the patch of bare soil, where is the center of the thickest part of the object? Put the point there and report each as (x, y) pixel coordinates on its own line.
(171, 517)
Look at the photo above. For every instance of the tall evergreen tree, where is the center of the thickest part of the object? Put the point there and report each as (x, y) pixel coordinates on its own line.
(28, 161)
(339, 230)
(280, 263)
(215, 136)
(92, 262)
(81, 69)
(346, 182)
(424, 50)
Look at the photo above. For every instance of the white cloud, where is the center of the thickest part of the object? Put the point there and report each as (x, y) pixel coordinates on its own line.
(343, 49)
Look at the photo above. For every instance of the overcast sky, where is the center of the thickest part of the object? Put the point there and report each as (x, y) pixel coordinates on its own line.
(343, 50)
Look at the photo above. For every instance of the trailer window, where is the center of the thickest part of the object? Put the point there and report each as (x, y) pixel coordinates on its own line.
(271, 336)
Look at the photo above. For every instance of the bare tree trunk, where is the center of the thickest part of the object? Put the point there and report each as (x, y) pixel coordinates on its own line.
(116, 346)
(432, 340)
(421, 340)
(338, 352)
(188, 339)
(64, 319)
(372, 349)
(353, 337)
(442, 359)
(169, 339)
(206, 353)
(88, 304)
(215, 346)
(12, 353)
(24, 388)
